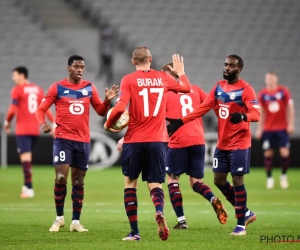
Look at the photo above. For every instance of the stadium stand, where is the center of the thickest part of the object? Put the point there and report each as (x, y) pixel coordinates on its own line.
(24, 41)
(265, 33)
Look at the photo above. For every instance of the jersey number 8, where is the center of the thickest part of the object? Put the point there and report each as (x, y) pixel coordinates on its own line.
(186, 103)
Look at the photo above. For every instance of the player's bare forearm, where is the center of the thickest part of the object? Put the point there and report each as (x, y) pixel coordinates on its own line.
(186, 85)
(117, 111)
(198, 112)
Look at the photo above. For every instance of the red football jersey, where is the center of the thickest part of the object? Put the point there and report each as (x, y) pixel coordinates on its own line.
(228, 99)
(274, 104)
(26, 98)
(146, 93)
(180, 105)
(72, 104)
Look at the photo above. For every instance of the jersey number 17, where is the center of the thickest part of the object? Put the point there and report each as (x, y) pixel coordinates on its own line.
(145, 94)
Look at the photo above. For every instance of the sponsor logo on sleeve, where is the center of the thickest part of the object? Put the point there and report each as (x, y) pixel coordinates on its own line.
(254, 101)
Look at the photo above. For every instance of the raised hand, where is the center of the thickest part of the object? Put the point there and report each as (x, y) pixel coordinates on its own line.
(178, 65)
(174, 125)
(111, 93)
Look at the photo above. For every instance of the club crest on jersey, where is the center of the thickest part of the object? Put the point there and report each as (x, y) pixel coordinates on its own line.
(220, 93)
(66, 91)
(278, 96)
(232, 96)
(84, 92)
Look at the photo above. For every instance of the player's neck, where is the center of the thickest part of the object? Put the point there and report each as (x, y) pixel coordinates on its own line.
(233, 81)
(142, 67)
(23, 82)
(70, 80)
(273, 88)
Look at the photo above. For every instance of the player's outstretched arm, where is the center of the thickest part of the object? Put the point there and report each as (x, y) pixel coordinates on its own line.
(100, 107)
(125, 95)
(202, 109)
(117, 111)
(175, 124)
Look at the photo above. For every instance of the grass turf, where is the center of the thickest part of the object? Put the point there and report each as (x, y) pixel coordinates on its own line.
(25, 223)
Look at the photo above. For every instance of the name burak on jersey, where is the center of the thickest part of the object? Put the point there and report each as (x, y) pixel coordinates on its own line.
(151, 82)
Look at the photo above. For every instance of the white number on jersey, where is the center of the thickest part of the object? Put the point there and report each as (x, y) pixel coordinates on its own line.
(32, 103)
(145, 94)
(215, 163)
(62, 155)
(186, 103)
(76, 108)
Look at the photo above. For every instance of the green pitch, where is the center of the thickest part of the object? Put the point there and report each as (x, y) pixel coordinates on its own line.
(24, 224)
